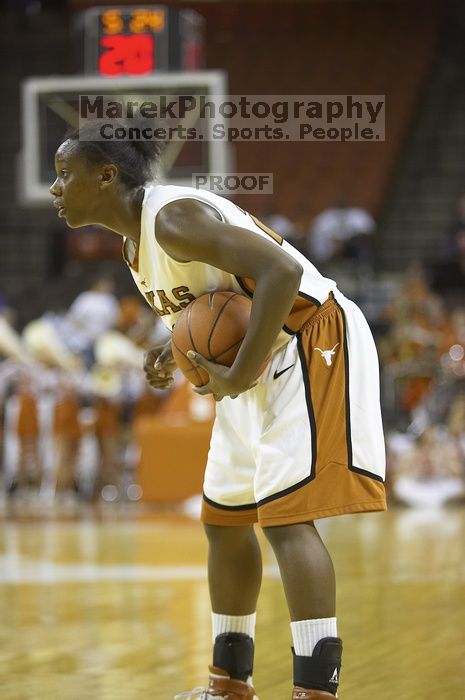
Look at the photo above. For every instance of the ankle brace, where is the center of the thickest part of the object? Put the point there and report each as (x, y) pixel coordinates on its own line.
(233, 652)
(321, 670)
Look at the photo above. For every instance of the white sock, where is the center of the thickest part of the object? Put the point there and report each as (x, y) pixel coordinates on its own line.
(306, 633)
(233, 623)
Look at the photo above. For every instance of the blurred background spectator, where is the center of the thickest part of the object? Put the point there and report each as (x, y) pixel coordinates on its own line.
(341, 231)
(91, 314)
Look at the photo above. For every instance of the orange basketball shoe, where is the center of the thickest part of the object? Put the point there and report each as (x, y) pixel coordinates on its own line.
(305, 694)
(220, 687)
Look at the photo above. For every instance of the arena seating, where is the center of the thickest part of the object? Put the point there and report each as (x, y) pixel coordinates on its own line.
(346, 53)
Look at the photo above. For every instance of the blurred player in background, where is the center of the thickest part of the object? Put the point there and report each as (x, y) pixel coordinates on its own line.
(303, 442)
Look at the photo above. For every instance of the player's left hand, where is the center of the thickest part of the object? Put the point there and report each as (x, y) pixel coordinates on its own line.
(221, 383)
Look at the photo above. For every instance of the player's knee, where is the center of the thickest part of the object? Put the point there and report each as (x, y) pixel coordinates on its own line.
(213, 532)
(275, 534)
(229, 536)
(280, 534)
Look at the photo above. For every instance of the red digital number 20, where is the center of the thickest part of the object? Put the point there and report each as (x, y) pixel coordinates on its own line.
(132, 55)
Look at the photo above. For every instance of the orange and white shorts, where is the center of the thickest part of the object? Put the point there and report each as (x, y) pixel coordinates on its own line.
(307, 441)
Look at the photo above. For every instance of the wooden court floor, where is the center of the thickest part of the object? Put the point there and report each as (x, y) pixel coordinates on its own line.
(117, 608)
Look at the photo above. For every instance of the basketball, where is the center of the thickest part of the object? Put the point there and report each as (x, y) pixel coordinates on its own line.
(213, 325)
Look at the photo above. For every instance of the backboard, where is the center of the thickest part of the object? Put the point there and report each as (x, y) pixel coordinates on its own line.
(50, 107)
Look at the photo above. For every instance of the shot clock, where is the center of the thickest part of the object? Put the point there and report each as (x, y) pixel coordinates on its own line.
(134, 40)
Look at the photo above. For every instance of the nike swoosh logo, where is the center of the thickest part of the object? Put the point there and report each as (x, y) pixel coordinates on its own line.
(278, 374)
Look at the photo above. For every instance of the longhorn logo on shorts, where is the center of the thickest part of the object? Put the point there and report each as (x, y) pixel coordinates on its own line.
(328, 355)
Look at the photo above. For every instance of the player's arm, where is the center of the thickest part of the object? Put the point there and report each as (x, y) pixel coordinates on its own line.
(189, 230)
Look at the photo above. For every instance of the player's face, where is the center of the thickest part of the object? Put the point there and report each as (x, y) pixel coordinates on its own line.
(76, 188)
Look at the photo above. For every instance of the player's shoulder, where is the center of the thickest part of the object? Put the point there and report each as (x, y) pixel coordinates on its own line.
(158, 195)
(173, 205)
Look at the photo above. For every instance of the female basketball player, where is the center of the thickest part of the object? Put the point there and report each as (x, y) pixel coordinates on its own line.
(303, 442)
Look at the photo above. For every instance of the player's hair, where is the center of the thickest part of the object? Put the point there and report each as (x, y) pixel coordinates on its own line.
(135, 159)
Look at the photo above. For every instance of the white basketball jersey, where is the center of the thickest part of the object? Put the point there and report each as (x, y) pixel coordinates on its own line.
(169, 285)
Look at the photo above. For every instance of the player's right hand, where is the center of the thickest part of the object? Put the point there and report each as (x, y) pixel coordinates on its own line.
(159, 366)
